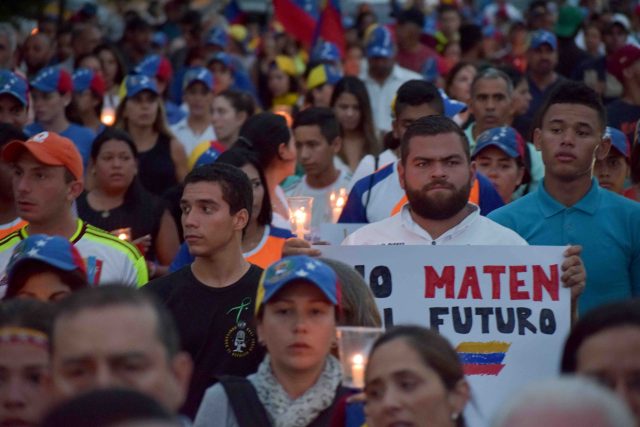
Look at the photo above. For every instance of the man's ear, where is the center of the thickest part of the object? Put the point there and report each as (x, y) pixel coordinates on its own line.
(182, 369)
(336, 144)
(472, 172)
(537, 138)
(66, 99)
(75, 189)
(240, 219)
(603, 148)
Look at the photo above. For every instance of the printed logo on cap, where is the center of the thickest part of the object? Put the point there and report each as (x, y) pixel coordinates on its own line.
(41, 137)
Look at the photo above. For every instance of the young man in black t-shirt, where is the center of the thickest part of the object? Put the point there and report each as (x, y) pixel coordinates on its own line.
(212, 299)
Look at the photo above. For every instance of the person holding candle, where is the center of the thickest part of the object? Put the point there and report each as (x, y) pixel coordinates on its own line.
(298, 382)
(119, 201)
(317, 135)
(414, 377)
(113, 71)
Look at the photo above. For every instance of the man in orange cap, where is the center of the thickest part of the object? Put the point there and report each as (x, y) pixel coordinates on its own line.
(47, 178)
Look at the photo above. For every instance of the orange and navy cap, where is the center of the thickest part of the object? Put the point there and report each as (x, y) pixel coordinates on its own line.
(298, 268)
(48, 148)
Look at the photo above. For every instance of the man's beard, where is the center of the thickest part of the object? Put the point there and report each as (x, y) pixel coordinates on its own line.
(439, 207)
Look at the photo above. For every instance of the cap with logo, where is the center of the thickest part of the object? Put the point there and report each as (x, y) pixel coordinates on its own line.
(198, 74)
(622, 58)
(134, 84)
(322, 74)
(505, 138)
(155, 66)
(14, 85)
(325, 51)
(55, 251)
(52, 79)
(48, 148)
(298, 268)
(540, 37)
(217, 36)
(619, 141)
(380, 43)
(86, 78)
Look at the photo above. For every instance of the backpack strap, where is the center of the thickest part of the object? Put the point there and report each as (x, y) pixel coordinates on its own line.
(325, 417)
(244, 401)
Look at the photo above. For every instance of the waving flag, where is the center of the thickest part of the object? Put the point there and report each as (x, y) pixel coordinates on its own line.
(329, 26)
(298, 17)
(233, 13)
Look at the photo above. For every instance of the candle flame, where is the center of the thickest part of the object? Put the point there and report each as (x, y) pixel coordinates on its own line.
(358, 359)
(123, 236)
(107, 117)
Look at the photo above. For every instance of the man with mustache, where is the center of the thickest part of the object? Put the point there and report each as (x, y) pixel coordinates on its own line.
(491, 100)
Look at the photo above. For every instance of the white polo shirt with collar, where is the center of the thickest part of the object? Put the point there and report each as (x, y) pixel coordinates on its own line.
(401, 229)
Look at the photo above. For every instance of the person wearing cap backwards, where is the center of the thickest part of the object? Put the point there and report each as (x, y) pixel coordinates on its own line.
(213, 298)
(569, 207)
(383, 76)
(46, 268)
(47, 178)
(320, 83)
(159, 69)
(299, 382)
(14, 99)
(198, 95)
(613, 171)
(542, 59)
(88, 96)
(624, 65)
(499, 155)
(51, 91)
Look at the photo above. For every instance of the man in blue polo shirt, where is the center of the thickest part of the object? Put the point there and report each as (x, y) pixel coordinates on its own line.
(51, 90)
(570, 207)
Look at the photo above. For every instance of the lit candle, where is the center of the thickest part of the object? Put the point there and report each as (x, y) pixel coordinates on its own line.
(108, 116)
(300, 219)
(357, 370)
(337, 202)
(123, 233)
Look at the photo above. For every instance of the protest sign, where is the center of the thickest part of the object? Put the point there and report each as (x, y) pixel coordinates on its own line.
(502, 307)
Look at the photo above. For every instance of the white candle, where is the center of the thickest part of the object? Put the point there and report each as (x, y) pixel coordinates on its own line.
(337, 202)
(357, 370)
(108, 116)
(300, 219)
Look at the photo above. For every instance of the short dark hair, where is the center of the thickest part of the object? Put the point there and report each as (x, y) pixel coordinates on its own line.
(107, 135)
(238, 157)
(571, 92)
(27, 313)
(240, 101)
(322, 117)
(105, 408)
(10, 133)
(235, 185)
(117, 295)
(609, 316)
(418, 92)
(411, 15)
(431, 126)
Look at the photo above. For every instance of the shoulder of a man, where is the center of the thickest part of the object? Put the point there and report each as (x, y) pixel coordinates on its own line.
(509, 214)
(164, 286)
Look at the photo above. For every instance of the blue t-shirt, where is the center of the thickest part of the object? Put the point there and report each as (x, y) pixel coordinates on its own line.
(605, 224)
(81, 136)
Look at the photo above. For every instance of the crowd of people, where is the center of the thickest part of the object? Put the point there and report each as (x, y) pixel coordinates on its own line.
(150, 271)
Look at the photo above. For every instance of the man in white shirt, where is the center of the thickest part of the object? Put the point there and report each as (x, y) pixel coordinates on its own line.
(383, 76)
(436, 173)
(317, 136)
(198, 95)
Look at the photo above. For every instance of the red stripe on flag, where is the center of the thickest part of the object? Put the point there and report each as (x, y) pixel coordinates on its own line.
(331, 27)
(476, 369)
(295, 20)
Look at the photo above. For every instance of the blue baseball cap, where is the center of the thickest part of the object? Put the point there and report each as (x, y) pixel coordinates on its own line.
(222, 57)
(540, 37)
(298, 267)
(159, 39)
(619, 141)
(55, 251)
(322, 74)
(325, 51)
(217, 36)
(155, 66)
(14, 85)
(134, 84)
(52, 79)
(86, 78)
(380, 43)
(505, 138)
(451, 106)
(198, 74)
